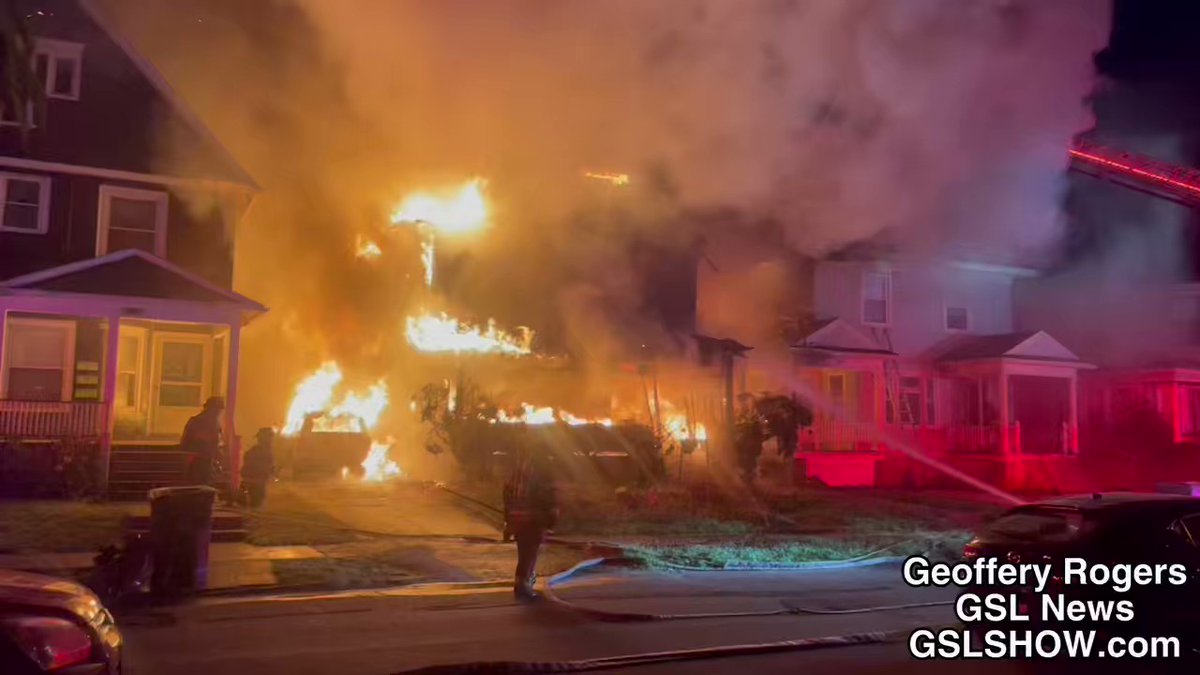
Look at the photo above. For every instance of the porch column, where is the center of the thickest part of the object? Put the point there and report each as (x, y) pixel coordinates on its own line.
(231, 380)
(1005, 414)
(1073, 430)
(109, 394)
(1176, 411)
(880, 381)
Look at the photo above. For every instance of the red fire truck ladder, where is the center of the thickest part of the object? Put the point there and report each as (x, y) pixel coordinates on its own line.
(1136, 172)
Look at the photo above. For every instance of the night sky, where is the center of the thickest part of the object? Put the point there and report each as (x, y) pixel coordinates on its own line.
(1150, 89)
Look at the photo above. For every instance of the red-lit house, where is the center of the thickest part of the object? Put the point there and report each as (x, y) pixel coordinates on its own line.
(926, 356)
(116, 246)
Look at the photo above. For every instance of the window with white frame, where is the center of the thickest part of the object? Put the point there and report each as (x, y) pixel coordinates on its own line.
(59, 64)
(131, 218)
(38, 357)
(26, 201)
(877, 297)
(957, 318)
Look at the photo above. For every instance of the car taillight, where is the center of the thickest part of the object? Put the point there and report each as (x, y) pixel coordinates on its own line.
(971, 551)
(50, 642)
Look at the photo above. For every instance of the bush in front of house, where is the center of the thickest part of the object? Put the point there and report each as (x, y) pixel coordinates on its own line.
(53, 468)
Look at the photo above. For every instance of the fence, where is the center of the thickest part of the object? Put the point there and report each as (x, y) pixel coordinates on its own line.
(832, 435)
(51, 419)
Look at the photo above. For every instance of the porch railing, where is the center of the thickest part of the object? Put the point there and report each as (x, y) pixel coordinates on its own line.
(832, 435)
(51, 419)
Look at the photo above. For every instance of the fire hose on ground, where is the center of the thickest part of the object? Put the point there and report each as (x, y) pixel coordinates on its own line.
(871, 557)
(676, 656)
(652, 658)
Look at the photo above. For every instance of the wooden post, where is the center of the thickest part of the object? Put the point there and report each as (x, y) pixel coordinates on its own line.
(111, 355)
(1073, 430)
(727, 368)
(232, 442)
(658, 427)
(1005, 414)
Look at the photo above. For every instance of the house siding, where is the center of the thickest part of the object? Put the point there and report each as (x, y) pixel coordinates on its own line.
(121, 120)
(196, 232)
(919, 298)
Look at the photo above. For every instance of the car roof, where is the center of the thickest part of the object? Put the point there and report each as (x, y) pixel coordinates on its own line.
(1111, 502)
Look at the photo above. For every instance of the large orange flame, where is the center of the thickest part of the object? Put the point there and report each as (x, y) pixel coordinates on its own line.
(314, 397)
(539, 415)
(455, 211)
(679, 426)
(442, 333)
(378, 467)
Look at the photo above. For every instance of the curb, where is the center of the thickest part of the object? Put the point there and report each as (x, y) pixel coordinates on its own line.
(630, 660)
(627, 617)
(299, 594)
(825, 565)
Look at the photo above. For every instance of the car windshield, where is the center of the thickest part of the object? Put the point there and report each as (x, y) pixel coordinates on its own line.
(1042, 524)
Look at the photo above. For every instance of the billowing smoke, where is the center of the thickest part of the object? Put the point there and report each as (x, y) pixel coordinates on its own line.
(943, 121)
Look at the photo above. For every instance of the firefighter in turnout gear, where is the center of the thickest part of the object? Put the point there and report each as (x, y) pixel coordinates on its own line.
(530, 511)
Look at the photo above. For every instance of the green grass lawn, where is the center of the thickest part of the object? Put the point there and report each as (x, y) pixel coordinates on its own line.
(59, 526)
(937, 545)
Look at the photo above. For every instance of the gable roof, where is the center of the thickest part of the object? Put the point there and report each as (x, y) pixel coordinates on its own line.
(130, 273)
(235, 173)
(127, 124)
(839, 335)
(1033, 345)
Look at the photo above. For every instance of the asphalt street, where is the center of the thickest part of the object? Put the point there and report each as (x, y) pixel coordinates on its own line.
(372, 633)
(379, 633)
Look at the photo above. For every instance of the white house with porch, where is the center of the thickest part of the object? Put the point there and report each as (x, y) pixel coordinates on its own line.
(926, 353)
(117, 314)
(123, 348)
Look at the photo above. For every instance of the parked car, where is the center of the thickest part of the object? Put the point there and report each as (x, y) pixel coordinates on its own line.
(1107, 529)
(55, 625)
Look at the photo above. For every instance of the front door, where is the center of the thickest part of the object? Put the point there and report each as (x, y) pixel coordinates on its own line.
(182, 380)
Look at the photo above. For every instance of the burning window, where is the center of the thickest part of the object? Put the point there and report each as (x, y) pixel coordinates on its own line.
(957, 318)
(36, 359)
(132, 218)
(24, 200)
(877, 298)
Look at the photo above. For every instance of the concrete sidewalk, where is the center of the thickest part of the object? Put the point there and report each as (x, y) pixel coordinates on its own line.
(230, 565)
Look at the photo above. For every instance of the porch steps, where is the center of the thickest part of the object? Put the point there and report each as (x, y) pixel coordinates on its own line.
(135, 470)
(227, 526)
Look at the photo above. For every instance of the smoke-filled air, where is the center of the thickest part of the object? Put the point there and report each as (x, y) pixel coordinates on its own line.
(590, 132)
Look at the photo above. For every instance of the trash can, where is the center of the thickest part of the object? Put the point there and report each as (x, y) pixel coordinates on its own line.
(180, 529)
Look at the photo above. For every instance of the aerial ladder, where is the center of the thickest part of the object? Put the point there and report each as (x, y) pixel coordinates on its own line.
(1137, 172)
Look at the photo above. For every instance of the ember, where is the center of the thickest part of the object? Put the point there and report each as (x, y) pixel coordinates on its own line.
(614, 178)
(365, 248)
(427, 261)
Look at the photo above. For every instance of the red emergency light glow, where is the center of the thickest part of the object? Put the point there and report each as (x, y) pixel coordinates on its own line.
(1092, 154)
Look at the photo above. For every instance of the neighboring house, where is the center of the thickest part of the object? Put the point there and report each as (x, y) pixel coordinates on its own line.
(928, 353)
(116, 243)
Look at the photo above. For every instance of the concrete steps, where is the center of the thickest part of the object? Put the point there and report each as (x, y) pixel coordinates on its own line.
(136, 469)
